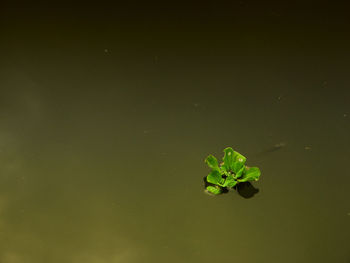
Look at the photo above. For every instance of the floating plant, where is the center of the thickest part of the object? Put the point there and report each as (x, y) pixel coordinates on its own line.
(230, 172)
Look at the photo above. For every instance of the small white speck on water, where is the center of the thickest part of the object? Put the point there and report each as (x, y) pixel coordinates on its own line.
(106, 50)
(307, 148)
(345, 115)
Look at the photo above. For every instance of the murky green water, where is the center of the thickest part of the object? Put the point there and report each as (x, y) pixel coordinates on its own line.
(104, 127)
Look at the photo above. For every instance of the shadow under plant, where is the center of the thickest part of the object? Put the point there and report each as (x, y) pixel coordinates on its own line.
(231, 173)
(245, 190)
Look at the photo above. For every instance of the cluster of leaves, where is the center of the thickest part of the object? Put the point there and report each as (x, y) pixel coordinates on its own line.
(229, 173)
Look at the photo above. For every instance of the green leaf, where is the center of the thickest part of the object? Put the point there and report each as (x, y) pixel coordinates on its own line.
(228, 159)
(224, 172)
(230, 181)
(212, 162)
(214, 190)
(240, 172)
(251, 174)
(238, 162)
(214, 177)
(233, 161)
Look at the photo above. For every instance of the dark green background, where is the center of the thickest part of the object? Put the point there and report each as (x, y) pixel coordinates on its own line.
(108, 110)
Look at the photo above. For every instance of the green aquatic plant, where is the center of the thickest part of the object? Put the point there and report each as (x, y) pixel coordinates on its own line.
(230, 172)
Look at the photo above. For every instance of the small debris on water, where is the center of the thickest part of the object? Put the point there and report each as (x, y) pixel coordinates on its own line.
(345, 115)
(280, 145)
(148, 131)
(307, 148)
(279, 98)
(276, 147)
(273, 148)
(106, 50)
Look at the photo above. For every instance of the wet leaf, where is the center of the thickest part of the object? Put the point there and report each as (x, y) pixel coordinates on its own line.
(238, 162)
(230, 182)
(228, 159)
(251, 174)
(240, 172)
(212, 162)
(214, 177)
(214, 190)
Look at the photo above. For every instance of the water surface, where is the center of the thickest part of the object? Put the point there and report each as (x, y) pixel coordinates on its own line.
(105, 124)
